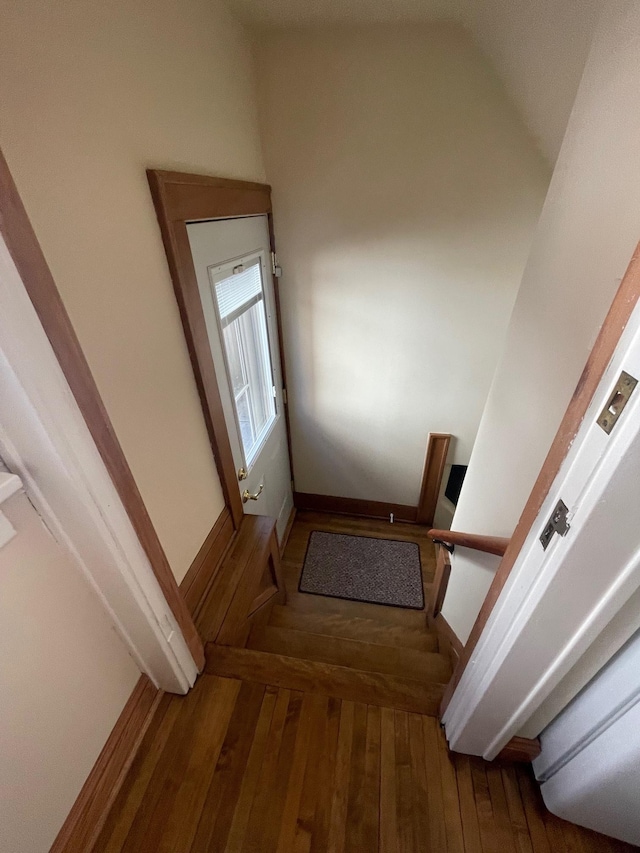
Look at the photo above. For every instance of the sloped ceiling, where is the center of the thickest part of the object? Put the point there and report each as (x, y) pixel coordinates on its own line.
(538, 47)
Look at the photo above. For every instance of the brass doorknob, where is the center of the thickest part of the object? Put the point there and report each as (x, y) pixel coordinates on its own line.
(247, 496)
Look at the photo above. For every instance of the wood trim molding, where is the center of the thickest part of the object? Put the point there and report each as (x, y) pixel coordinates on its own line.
(87, 816)
(202, 571)
(614, 324)
(354, 506)
(287, 530)
(33, 268)
(171, 193)
(440, 583)
(521, 749)
(189, 197)
(435, 461)
(489, 544)
(179, 198)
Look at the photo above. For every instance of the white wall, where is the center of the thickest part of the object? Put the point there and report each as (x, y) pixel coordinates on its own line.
(539, 48)
(406, 191)
(587, 232)
(64, 679)
(91, 94)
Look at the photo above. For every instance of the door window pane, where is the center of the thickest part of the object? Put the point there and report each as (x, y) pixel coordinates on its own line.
(241, 309)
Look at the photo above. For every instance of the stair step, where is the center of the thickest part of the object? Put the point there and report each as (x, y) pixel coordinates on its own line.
(388, 691)
(369, 657)
(365, 629)
(305, 602)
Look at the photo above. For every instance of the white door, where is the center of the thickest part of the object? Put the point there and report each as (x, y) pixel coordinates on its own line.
(577, 569)
(232, 258)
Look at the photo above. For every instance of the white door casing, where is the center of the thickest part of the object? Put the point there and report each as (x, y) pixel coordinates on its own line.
(555, 602)
(46, 442)
(218, 248)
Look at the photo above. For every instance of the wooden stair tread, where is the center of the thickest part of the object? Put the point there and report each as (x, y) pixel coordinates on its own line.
(303, 602)
(409, 663)
(383, 690)
(366, 629)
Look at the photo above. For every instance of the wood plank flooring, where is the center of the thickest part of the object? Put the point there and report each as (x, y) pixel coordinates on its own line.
(240, 766)
(321, 737)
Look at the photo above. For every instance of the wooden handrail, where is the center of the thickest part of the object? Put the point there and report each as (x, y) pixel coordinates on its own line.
(489, 544)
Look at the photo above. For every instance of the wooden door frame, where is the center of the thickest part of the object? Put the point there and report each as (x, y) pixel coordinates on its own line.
(609, 335)
(24, 248)
(180, 198)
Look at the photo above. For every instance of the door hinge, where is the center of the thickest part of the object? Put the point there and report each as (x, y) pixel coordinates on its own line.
(276, 270)
(284, 396)
(557, 524)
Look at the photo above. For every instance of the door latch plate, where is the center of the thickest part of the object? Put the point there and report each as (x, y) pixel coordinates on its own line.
(557, 524)
(617, 401)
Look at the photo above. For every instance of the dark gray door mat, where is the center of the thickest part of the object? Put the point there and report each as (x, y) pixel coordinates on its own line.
(360, 568)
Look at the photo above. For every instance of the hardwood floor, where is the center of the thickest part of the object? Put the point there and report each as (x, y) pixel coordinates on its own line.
(242, 766)
(321, 737)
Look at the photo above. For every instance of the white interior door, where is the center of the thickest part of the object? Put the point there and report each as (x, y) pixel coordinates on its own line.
(577, 569)
(232, 258)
